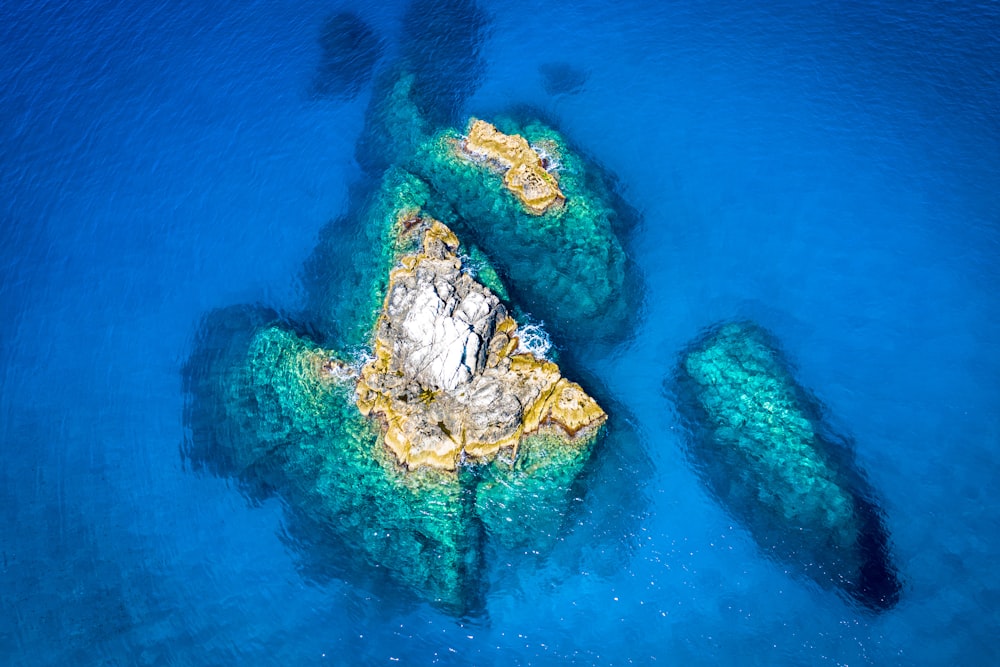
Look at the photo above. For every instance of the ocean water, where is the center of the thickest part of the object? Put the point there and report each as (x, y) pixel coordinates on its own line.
(828, 170)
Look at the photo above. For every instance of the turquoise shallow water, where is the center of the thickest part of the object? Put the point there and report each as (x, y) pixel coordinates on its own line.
(828, 170)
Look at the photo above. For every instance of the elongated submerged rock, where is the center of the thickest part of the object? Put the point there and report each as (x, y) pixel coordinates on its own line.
(549, 219)
(448, 379)
(760, 442)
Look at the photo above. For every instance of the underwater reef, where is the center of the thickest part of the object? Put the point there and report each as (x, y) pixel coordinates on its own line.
(760, 443)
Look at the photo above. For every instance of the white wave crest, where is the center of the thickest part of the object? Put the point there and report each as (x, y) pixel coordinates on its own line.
(534, 339)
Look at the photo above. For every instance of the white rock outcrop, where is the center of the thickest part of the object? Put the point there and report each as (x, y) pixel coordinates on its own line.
(448, 379)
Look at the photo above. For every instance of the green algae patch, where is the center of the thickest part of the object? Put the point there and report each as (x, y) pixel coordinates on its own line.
(759, 441)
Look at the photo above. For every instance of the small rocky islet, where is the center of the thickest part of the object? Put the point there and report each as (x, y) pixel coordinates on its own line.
(411, 419)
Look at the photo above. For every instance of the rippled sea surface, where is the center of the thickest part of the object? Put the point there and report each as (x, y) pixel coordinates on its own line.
(829, 170)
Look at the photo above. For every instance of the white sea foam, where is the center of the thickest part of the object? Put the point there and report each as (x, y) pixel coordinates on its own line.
(551, 163)
(534, 339)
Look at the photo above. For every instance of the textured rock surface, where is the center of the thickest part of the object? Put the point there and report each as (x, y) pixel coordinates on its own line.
(524, 170)
(447, 379)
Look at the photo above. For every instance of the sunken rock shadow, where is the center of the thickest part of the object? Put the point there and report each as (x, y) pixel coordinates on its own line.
(561, 78)
(350, 49)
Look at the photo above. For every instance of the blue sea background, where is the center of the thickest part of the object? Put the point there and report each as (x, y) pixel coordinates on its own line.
(828, 169)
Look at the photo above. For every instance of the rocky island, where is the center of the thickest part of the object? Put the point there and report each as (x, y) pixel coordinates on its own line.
(524, 170)
(408, 417)
(447, 425)
(448, 379)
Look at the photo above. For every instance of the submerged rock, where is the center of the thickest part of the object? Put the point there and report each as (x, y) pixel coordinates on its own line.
(561, 78)
(441, 44)
(448, 379)
(761, 445)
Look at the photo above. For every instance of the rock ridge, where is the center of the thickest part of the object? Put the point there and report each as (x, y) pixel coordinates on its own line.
(524, 169)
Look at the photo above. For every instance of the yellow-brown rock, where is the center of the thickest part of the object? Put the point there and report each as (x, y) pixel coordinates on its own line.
(447, 378)
(524, 172)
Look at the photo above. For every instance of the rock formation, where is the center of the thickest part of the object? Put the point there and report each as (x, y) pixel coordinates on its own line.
(450, 433)
(524, 170)
(448, 379)
(456, 433)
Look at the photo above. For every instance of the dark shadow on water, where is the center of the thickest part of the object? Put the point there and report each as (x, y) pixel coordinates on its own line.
(862, 568)
(337, 271)
(223, 335)
(442, 46)
(350, 48)
(561, 78)
(326, 278)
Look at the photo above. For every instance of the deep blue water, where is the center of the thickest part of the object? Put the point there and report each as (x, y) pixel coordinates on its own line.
(830, 170)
